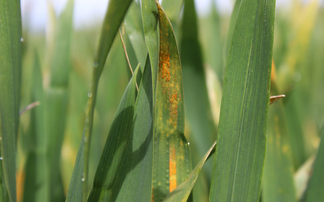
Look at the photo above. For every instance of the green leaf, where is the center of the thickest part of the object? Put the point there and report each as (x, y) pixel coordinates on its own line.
(171, 163)
(150, 18)
(231, 28)
(314, 191)
(115, 14)
(134, 29)
(172, 10)
(135, 178)
(240, 154)
(182, 192)
(117, 153)
(296, 136)
(36, 185)
(60, 64)
(10, 60)
(56, 101)
(116, 11)
(198, 111)
(278, 183)
(215, 54)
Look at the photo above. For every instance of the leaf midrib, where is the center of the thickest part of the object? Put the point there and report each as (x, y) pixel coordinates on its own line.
(242, 114)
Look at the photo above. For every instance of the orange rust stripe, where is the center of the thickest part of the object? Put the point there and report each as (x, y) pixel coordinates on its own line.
(172, 168)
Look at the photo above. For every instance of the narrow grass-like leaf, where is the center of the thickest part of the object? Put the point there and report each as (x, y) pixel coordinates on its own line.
(314, 191)
(150, 19)
(116, 11)
(134, 27)
(56, 101)
(240, 152)
(231, 28)
(112, 168)
(182, 192)
(296, 136)
(10, 60)
(171, 163)
(215, 55)
(36, 186)
(197, 107)
(278, 183)
(198, 111)
(136, 178)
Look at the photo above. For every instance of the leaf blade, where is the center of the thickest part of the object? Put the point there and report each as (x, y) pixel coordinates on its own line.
(105, 187)
(78, 190)
(314, 191)
(278, 182)
(241, 139)
(10, 59)
(171, 163)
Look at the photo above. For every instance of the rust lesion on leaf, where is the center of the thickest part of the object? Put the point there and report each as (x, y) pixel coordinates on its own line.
(172, 168)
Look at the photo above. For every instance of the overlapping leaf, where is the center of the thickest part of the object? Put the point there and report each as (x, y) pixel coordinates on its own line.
(182, 192)
(78, 190)
(116, 158)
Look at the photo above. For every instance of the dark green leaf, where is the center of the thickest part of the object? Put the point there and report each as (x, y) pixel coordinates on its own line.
(112, 168)
(116, 11)
(136, 178)
(197, 107)
(150, 18)
(134, 29)
(240, 154)
(10, 60)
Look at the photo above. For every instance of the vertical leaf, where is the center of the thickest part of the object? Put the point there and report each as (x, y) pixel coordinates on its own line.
(197, 106)
(240, 153)
(134, 27)
(10, 60)
(198, 111)
(56, 101)
(138, 159)
(296, 136)
(171, 161)
(36, 186)
(78, 190)
(314, 191)
(150, 20)
(112, 168)
(278, 182)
